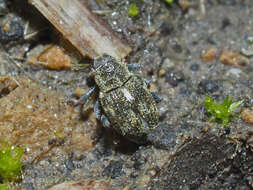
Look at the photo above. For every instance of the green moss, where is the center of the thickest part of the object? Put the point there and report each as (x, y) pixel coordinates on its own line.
(10, 165)
(221, 112)
(169, 1)
(3, 187)
(133, 10)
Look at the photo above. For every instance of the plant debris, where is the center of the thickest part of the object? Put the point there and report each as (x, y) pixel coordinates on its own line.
(133, 10)
(221, 112)
(10, 164)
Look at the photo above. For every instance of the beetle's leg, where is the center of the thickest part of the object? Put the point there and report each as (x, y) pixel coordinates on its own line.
(105, 121)
(157, 97)
(147, 82)
(85, 97)
(132, 67)
(144, 123)
(97, 110)
(90, 81)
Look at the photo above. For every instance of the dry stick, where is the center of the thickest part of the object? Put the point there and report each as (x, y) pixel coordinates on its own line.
(202, 7)
(77, 23)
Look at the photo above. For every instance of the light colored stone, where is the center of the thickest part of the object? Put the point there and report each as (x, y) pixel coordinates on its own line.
(82, 185)
(209, 54)
(247, 115)
(233, 58)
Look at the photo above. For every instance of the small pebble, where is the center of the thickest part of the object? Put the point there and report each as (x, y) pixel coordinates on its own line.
(208, 86)
(144, 180)
(152, 172)
(153, 87)
(247, 115)
(55, 58)
(89, 184)
(174, 78)
(233, 58)
(247, 46)
(167, 63)
(79, 92)
(248, 102)
(12, 31)
(114, 169)
(166, 28)
(7, 84)
(194, 67)
(184, 4)
(225, 23)
(211, 40)
(185, 91)
(209, 54)
(234, 71)
(177, 47)
(29, 186)
(162, 72)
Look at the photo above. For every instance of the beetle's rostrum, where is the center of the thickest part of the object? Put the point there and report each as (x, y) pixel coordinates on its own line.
(123, 101)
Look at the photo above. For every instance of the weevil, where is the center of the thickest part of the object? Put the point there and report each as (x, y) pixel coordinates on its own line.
(123, 101)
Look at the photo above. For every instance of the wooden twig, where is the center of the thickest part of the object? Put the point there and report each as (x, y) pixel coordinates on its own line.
(77, 23)
(202, 7)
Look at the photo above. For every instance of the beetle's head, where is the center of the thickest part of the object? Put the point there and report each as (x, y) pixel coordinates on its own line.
(109, 73)
(105, 64)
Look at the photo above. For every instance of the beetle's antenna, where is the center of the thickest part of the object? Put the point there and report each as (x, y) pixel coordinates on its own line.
(95, 59)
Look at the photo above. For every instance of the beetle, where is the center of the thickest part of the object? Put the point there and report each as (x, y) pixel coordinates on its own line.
(123, 101)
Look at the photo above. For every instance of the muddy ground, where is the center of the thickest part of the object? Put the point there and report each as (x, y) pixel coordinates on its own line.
(186, 151)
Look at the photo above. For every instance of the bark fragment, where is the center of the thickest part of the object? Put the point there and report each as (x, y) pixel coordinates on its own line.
(74, 20)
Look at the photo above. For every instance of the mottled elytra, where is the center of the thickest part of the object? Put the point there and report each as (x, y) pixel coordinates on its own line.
(123, 101)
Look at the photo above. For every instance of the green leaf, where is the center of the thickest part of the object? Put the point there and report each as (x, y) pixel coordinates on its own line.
(3, 187)
(169, 1)
(234, 105)
(221, 112)
(10, 165)
(133, 10)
